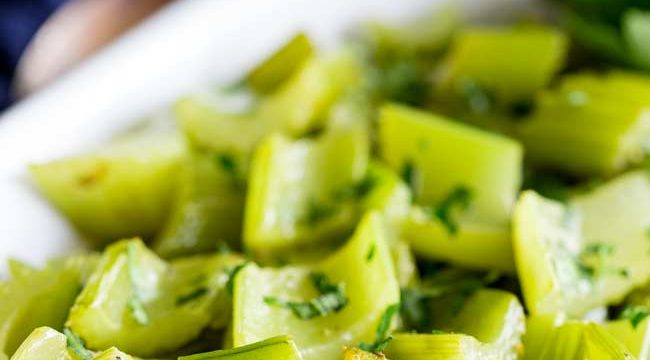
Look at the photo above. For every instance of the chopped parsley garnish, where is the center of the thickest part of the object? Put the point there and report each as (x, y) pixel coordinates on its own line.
(318, 211)
(135, 304)
(77, 345)
(191, 296)
(381, 335)
(635, 314)
(477, 98)
(411, 176)
(371, 252)
(593, 261)
(230, 166)
(358, 190)
(458, 200)
(232, 273)
(332, 299)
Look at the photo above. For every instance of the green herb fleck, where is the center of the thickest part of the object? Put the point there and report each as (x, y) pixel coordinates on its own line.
(191, 296)
(332, 299)
(232, 273)
(593, 262)
(635, 314)
(381, 334)
(230, 165)
(411, 176)
(77, 345)
(458, 200)
(358, 190)
(371, 252)
(319, 211)
(477, 98)
(135, 304)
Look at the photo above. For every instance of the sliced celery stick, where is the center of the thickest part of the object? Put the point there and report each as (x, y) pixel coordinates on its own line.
(479, 246)
(511, 64)
(636, 339)
(617, 214)
(435, 346)
(48, 344)
(301, 104)
(539, 331)
(591, 125)
(575, 340)
(209, 206)
(351, 353)
(369, 284)
(40, 297)
(275, 348)
(268, 75)
(445, 155)
(147, 307)
(547, 244)
(294, 198)
(122, 190)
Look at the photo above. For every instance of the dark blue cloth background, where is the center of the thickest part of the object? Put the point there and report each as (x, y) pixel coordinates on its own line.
(19, 21)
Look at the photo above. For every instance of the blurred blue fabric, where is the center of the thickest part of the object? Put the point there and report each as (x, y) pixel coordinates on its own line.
(19, 21)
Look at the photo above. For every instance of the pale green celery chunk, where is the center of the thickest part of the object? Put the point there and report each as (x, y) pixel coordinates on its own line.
(124, 189)
(477, 246)
(296, 191)
(284, 62)
(275, 348)
(591, 125)
(509, 64)
(48, 344)
(148, 307)
(489, 326)
(539, 330)
(576, 340)
(443, 156)
(351, 353)
(636, 29)
(302, 103)
(547, 246)
(636, 339)
(617, 214)
(369, 284)
(39, 297)
(209, 206)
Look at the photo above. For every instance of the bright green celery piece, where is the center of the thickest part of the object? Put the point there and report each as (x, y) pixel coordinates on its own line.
(511, 64)
(48, 344)
(147, 307)
(576, 340)
(612, 113)
(617, 214)
(293, 199)
(39, 297)
(370, 286)
(209, 206)
(351, 353)
(547, 244)
(636, 31)
(285, 61)
(275, 348)
(489, 326)
(123, 189)
(444, 156)
(301, 104)
(636, 339)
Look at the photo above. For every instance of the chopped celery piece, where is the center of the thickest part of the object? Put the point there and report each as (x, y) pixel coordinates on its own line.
(636, 31)
(445, 155)
(40, 297)
(275, 348)
(370, 288)
(479, 246)
(510, 64)
(539, 330)
(122, 190)
(636, 339)
(48, 344)
(350, 353)
(268, 75)
(297, 188)
(302, 103)
(591, 125)
(547, 245)
(435, 346)
(147, 307)
(209, 206)
(575, 340)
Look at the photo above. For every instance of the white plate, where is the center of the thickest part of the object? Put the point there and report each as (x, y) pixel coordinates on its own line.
(188, 45)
